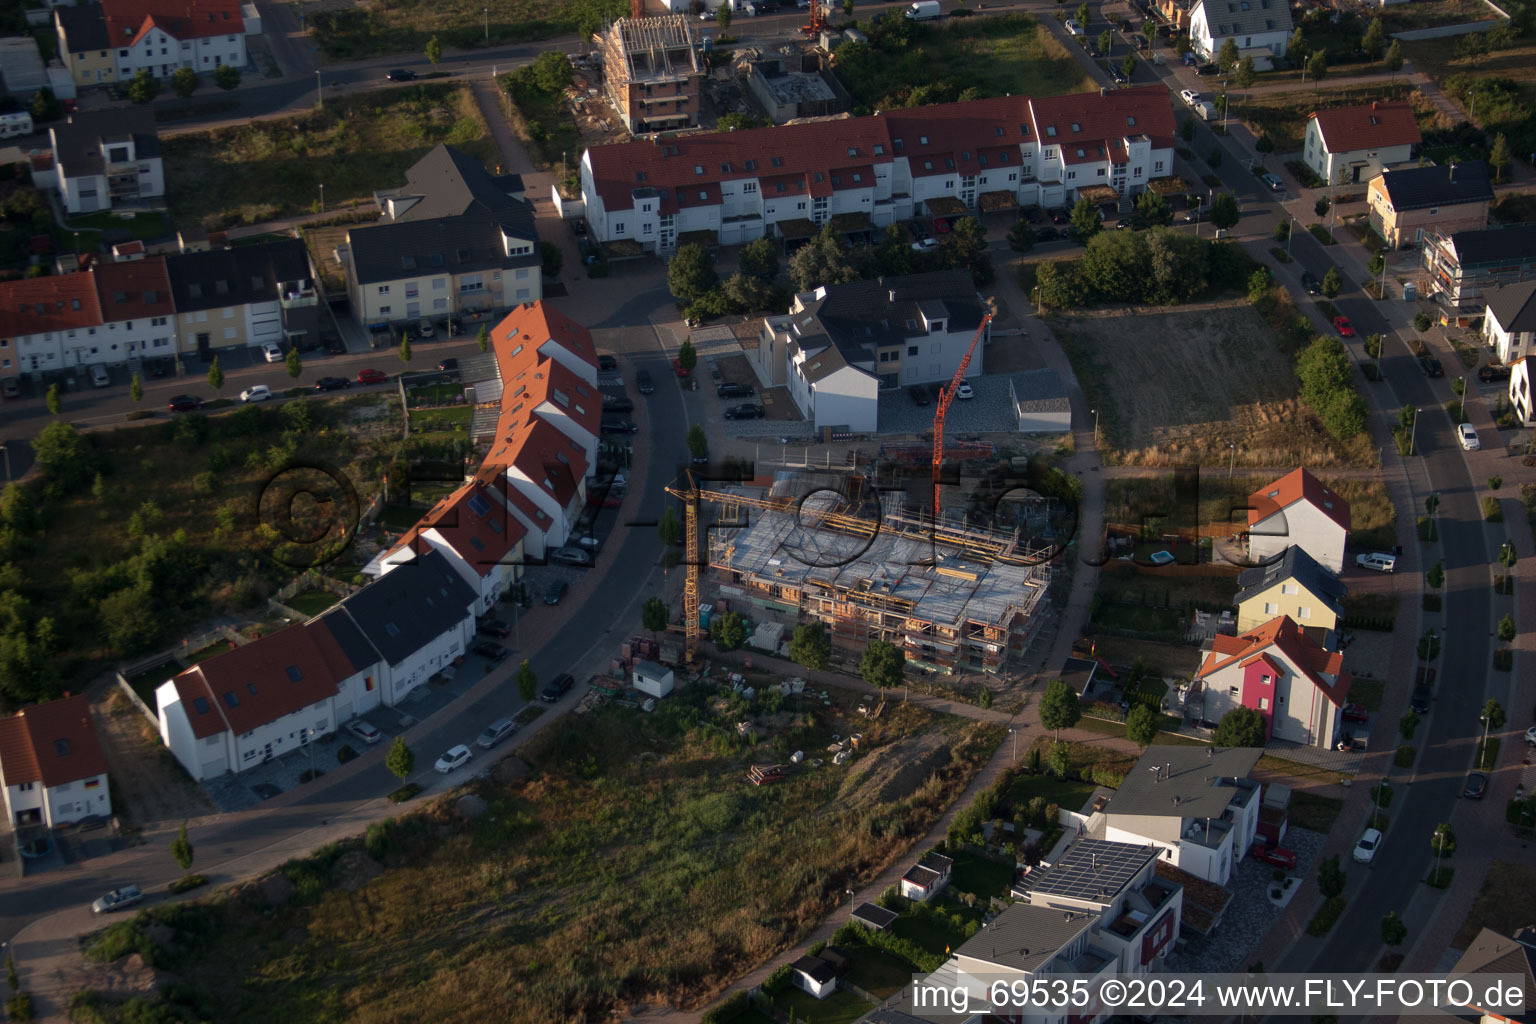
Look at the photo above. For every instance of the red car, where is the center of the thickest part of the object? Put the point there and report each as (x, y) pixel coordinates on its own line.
(371, 376)
(1344, 327)
(1355, 713)
(1279, 856)
(679, 369)
(941, 225)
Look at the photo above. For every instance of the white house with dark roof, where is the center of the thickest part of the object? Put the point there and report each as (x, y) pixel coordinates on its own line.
(474, 531)
(1261, 28)
(927, 878)
(1038, 400)
(1520, 397)
(106, 156)
(1509, 323)
(1348, 145)
(52, 768)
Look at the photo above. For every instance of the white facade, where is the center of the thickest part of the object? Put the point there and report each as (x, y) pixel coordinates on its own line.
(58, 805)
(848, 397)
(1213, 22)
(1507, 345)
(399, 680)
(1300, 712)
(488, 586)
(1306, 526)
(115, 343)
(126, 174)
(224, 750)
(442, 294)
(653, 679)
(1354, 165)
(1520, 397)
(161, 53)
(1208, 850)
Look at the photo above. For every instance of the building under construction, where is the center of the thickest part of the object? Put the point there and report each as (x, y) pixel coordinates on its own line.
(954, 598)
(652, 72)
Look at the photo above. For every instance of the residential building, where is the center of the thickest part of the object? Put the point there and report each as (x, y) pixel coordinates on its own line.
(52, 768)
(1407, 203)
(1491, 953)
(1287, 677)
(964, 599)
(1297, 586)
(863, 173)
(1261, 28)
(106, 157)
(1298, 509)
(453, 240)
(246, 295)
(475, 532)
(138, 312)
(927, 878)
(1038, 402)
(38, 315)
(116, 39)
(1348, 145)
(653, 72)
(1462, 265)
(1196, 804)
(814, 975)
(21, 67)
(1509, 324)
(1520, 391)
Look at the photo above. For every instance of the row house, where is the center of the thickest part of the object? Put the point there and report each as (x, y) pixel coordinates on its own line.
(868, 172)
(275, 695)
(244, 296)
(116, 39)
(1509, 322)
(1260, 29)
(52, 768)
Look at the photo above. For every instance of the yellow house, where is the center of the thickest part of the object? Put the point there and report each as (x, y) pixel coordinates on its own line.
(1296, 586)
(1407, 203)
(84, 44)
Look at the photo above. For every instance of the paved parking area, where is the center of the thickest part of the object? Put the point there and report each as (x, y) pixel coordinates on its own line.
(989, 412)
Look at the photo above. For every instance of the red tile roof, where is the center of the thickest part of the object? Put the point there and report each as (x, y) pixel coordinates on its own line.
(260, 682)
(1295, 486)
(1300, 650)
(1345, 129)
(128, 20)
(526, 329)
(1089, 120)
(474, 523)
(51, 743)
(133, 290)
(38, 304)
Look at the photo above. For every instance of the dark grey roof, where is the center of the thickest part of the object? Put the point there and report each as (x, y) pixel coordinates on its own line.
(1299, 566)
(822, 358)
(1183, 782)
(451, 245)
(1492, 953)
(410, 606)
(85, 28)
(1512, 307)
(1494, 246)
(1078, 674)
(228, 277)
(815, 968)
(449, 183)
(1025, 937)
(1039, 390)
(1418, 188)
(861, 316)
(1247, 17)
(879, 917)
(1097, 869)
(77, 142)
(359, 652)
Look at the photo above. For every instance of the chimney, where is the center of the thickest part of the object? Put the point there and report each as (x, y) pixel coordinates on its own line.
(1103, 90)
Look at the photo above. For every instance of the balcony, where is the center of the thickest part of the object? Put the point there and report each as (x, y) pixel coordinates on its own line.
(297, 296)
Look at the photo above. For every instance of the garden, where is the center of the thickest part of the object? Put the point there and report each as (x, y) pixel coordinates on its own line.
(405, 26)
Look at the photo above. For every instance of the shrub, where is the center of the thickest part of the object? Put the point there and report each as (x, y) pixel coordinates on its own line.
(1323, 921)
(405, 792)
(187, 883)
(1381, 795)
(777, 981)
(1408, 725)
(1404, 756)
(20, 1008)
(345, 754)
(1493, 512)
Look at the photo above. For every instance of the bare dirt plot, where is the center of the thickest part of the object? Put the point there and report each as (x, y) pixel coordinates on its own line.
(1178, 386)
(147, 783)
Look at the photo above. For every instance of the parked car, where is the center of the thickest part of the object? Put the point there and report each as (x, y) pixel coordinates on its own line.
(1190, 60)
(1492, 372)
(494, 627)
(455, 758)
(1419, 702)
(1045, 235)
(679, 369)
(607, 364)
(1279, 856)
(272, 353)
(363, 731)
(495, 733)
(617, 403)
(332, 384)
(1073, 28)
(1530, 735)
(1310, 282)
(556, 592)
(925, 245)
(402, 75)
(1273, 181)
(1034, 215)
(731, 389)
(1477, 785)
(1379, 561)
(256, 393)
(1189, 96)
(1124, 222)
(570, 556)
(1365, 849)
(919, 395)
(118, 899)
(1466, 433)
(336, 346)
(556, 688)
(941, 225)
(916, 230)
(964, 392)
(1431, 367)
(494, 653)
(448, 364)
(424, 329)
(1204, 70)
(745, 411)
(1117, 75)
(1355, 713)
(1060, 216)
(611, 425)
(371, 376)
(1344, 327)
(643, 382)
(184, 403)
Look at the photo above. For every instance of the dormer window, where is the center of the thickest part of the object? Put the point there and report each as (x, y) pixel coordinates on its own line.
(698, 168)
(999, 131)
(853, 151)
(1076, 127)
(1050, 130)
(922, 140)
(879, 150)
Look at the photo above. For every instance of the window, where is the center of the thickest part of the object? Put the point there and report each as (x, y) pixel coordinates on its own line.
(911, 350)
(383, 289)
(383, 311)
(1071, 175)
(1305, 612)
(1263, 703)
(1289, 588)
(618, 227)
(1270, 608)
(1231, 691)
(749, 188)
(1157, 167)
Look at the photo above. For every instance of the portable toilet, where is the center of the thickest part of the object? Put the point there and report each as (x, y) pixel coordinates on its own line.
(1410, 292)
(705, 610)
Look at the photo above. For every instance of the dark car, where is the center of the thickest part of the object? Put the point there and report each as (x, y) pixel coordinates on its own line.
(733, 390)
(1123, 222)
(494, 627)
(745, 411)
(332, 384)
(607, 364)
(1117, 75)
(489, 651)
(1045, 235)
(402, 75)
(1488, 373)
(1419, 702)
(336, 346)
(643, 382)
(556, 688)
(448, 364)
(556, 592)
(919, 395)
(1310, 282)
(1207, 69)
(917, 231)
(618, 426)
(1477, 785)
(159, 368)
(1431, 367)
(700, 460)
(1059, 216)
(12, 387)
(617, 403)
(184, 403)
(579, 226)
(1034, 216)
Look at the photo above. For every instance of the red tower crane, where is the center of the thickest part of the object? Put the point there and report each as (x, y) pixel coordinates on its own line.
(945, 397)
(817, 22)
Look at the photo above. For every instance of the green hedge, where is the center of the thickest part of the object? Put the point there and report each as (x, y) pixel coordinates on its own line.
(1322, 922)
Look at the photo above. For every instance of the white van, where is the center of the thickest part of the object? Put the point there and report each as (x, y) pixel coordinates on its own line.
(12, 125)
(924, 10)
(100, 378)
(1377, 560)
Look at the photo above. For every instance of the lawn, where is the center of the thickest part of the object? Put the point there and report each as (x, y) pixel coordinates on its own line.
(1367, 693)
(1069, 793)
(544, 123)
(1139, 620)
(954, 59)
(1283, 115)
(980, 876)
(311, 602)
(404, 26)
(1505, 81)
(841, 1007)
(876, 971)
(629, 827)
(1313, 812)
(938, 928)
(1434, 13)
(1126, 584)
(354, 146)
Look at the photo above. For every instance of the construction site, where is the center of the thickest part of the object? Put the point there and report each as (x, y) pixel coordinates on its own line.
(652, 72)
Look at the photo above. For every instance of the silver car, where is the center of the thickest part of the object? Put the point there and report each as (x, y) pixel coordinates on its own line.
(495, 733)
(118, 899)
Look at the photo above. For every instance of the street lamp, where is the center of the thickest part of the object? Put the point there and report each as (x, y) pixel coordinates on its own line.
(487, 24)
(1289, 235)
(1095, 414)
(1015, 734)
(1413, 432)
(1037, 298)
(1482, 759)
(1224, 104)
(1232, 465)
(319, 90)
(1439, 852)
(322, 197)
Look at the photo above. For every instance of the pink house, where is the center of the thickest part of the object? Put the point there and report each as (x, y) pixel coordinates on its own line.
(1295, 684)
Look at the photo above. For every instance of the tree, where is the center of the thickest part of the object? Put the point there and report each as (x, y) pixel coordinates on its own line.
(1213, 159)
(1374, 40)
(698, 443)
(1021, 237)
(1443, 841)
(1141, 725)
(45, 106)
(760, 259)
(1058, 760)
(728, 631)
(809, 646)
(1394, 59)
(1330, 878)
(669, 528)
(143, 87)
(1227, 57)
(1320, 207)
(1499, 156)
(1435, 577)
(1422, 322)
(1240, 727)
(136, 389)
(1083, 16)
(848, 8)
(215, 376)
(51, 398)
(405, 347)
(1317, 67)
(483, 338)
(181, 848)
(1059, 707)
(226, 76)
(400, 759)
(1393, 931)
(1086, 221)
(1493, 714)
(434, 51)
(1153, 211)
(1106, 41)
(1259, 284)
(825, 260)
(723, 17)
(687, 355)
(653, 615)
(527, 681)
(1187, 129)
(967, 247)
(1333, 283)
(184, 82)
(1246, 75)
(691, 272)
(551, 258)
(552, 71)
(881, 664)
(1224, 211)
(1282, 230)
(295, 363)
(1295, 47)
(1128, 66)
